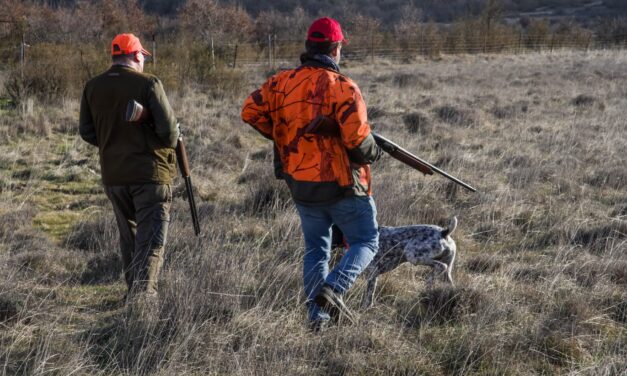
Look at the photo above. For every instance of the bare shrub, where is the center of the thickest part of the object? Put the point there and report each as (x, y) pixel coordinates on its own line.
(583, 100)
(417, 122)
(98, 235)
(29, 239)
(49, 268)
(530, 274)
(59, 82)
(616, 306)
(561, 350)
(15, 219)
(523, 177)
(587, 272)
(464, 353)
(102, 268)
(266, 199)
(616, 272)
(611, 176)
(375, 112)
(596, 238)
(405, 80)
(10, 307)
(455, 116)
(449, 304)
(484, 264)
(516, 160)
(510, 111)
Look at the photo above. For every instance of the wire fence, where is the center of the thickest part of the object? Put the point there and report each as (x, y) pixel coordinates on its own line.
(274, 52)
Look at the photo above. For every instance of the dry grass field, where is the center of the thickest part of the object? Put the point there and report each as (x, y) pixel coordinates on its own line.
(541, 273)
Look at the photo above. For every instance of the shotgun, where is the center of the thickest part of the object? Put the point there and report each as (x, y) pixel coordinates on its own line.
(324, 125)
(136, 113)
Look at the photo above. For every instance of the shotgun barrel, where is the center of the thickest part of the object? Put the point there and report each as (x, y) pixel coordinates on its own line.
(419, 164)
(135, 113)
(326, 126)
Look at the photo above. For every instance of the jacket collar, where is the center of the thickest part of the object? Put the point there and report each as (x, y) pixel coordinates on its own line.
(319, 61)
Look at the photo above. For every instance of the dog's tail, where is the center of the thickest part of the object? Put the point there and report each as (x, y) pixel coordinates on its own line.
(451, 227)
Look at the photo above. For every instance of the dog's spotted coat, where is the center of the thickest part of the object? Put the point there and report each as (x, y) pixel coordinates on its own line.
(420, 244)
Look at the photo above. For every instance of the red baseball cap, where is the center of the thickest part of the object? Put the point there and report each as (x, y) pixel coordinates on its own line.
(124, 44)
(325, 29)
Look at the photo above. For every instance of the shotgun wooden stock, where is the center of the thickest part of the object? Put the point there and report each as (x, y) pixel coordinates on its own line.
(135, 113)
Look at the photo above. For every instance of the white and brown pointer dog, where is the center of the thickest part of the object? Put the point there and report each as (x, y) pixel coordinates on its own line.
(420, 245)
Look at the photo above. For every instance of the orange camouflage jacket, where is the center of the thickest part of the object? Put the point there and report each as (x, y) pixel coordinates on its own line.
(318, 168)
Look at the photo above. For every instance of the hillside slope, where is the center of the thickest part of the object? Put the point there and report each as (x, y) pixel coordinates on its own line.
(540, 276)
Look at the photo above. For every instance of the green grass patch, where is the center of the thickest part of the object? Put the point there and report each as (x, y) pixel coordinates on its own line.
(57, 224)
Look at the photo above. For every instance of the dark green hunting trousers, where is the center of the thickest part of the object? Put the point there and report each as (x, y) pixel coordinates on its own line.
(142, 212)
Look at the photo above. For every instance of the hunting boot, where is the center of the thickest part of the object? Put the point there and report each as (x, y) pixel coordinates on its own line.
(333, 304)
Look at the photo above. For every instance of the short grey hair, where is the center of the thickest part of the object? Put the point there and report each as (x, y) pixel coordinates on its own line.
(120, 59)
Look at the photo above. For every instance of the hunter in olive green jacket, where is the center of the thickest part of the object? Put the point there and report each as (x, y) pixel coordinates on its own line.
(129, 153)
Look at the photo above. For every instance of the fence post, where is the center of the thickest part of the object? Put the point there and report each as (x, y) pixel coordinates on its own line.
(520, 38)
(22, 57)
(154, 51)
(551, 46)
(234, 57)
(274, 49)
(213, 55)
(372, 46)
(270, 51)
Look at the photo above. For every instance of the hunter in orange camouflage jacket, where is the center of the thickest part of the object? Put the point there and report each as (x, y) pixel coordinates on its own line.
(318, 168)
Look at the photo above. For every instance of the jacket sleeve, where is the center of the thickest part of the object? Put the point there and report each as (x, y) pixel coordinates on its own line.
(354, 128)
(86, 127)
(163, 116)
(256, 111)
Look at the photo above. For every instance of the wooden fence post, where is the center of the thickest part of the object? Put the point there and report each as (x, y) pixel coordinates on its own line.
(154, 51)
(213, 55)
(234, 57)
(274, 51)
(270, 51)
(372, 47)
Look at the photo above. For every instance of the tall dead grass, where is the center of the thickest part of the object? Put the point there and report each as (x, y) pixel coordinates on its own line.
(540, 274)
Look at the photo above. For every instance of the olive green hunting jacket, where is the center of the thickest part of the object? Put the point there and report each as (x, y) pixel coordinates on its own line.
(130, 153)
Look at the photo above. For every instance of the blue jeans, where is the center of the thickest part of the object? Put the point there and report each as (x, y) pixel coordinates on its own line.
(356, 217)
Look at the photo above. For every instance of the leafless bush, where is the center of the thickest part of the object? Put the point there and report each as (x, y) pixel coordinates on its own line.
(417, 122)
(10, 307)
(583, 100)
(596, 238)
(102, 268)
(15, 219)
(447, 304)
(484, 264)
(375, 112)
(269, 197)
(98, 235)
(455, 116)
(510, 111)
(610, 176)
(48, 266)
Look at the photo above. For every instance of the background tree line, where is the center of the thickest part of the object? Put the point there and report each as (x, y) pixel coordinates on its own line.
(198, 41)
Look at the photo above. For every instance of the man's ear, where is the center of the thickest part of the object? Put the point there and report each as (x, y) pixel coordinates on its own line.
(137, 57)
(335, 51)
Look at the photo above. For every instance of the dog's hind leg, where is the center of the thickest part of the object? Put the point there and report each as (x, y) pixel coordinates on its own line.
(369, 295)
(449, 261)
(438, 268)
